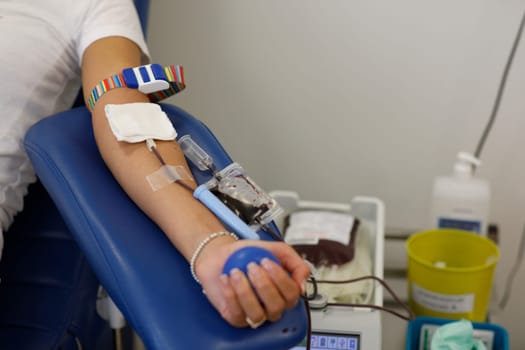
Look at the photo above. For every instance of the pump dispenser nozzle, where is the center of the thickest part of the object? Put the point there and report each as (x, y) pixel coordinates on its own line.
(465, 165)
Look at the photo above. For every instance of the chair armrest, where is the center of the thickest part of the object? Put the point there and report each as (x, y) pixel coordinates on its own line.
(144, 274)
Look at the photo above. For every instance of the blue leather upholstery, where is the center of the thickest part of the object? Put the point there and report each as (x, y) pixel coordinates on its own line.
(48, 290)
(141, 270)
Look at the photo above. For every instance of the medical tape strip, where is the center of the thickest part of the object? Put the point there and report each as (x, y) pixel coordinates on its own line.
(167, 174)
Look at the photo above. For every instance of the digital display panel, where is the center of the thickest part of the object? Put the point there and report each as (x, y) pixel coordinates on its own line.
(338, 341)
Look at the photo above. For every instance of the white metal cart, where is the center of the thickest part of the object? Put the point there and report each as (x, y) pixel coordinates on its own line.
(341, 326)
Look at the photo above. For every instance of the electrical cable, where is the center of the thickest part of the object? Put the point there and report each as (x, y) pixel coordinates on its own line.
(309, 325)
(409, 311)
(512, 274)
(501, 89)
(479, 149)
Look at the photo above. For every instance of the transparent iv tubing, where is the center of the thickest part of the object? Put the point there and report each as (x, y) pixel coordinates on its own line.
(153, 148)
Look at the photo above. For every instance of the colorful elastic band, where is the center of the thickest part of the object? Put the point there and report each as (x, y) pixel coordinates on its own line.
(152, 79)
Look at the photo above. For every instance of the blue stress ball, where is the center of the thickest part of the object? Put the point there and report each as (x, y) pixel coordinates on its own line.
(242, 257)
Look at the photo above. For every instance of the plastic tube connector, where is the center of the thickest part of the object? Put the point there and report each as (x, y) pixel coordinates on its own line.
(195, 153)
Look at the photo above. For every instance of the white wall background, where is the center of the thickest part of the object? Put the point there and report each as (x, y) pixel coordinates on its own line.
(338, 98)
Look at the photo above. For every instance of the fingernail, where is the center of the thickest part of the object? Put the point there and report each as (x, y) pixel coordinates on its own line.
(253, 270)
(224, 280)
(303, 288)
(255, 325)
(267, 264)
(236, 275)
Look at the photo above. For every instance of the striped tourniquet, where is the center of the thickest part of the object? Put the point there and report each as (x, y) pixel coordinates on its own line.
(174, 75)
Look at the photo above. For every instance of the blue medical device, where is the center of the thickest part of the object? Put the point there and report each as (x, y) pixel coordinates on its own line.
(225, 214)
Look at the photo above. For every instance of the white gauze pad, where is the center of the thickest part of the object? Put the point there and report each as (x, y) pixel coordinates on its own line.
(139, 121)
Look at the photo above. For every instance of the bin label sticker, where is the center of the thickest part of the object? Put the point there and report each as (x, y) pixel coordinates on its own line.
(447, 303)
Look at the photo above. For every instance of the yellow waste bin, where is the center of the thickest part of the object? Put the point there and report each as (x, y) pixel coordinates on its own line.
(450, 273)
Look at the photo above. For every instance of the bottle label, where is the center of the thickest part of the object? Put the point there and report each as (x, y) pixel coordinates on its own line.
(467, 225)
(447, 303)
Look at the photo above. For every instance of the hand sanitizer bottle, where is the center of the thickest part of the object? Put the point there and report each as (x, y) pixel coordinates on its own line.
(461, 201)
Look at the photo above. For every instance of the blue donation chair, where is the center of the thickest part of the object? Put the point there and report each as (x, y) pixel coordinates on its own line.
(141, 270)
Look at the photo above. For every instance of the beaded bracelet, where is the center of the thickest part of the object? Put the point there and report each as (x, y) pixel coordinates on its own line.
(201, 246)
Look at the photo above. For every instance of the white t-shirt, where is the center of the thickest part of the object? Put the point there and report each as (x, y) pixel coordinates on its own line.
(41, 46)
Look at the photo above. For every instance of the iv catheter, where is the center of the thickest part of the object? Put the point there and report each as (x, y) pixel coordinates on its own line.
(234, 187)
(242, 257)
